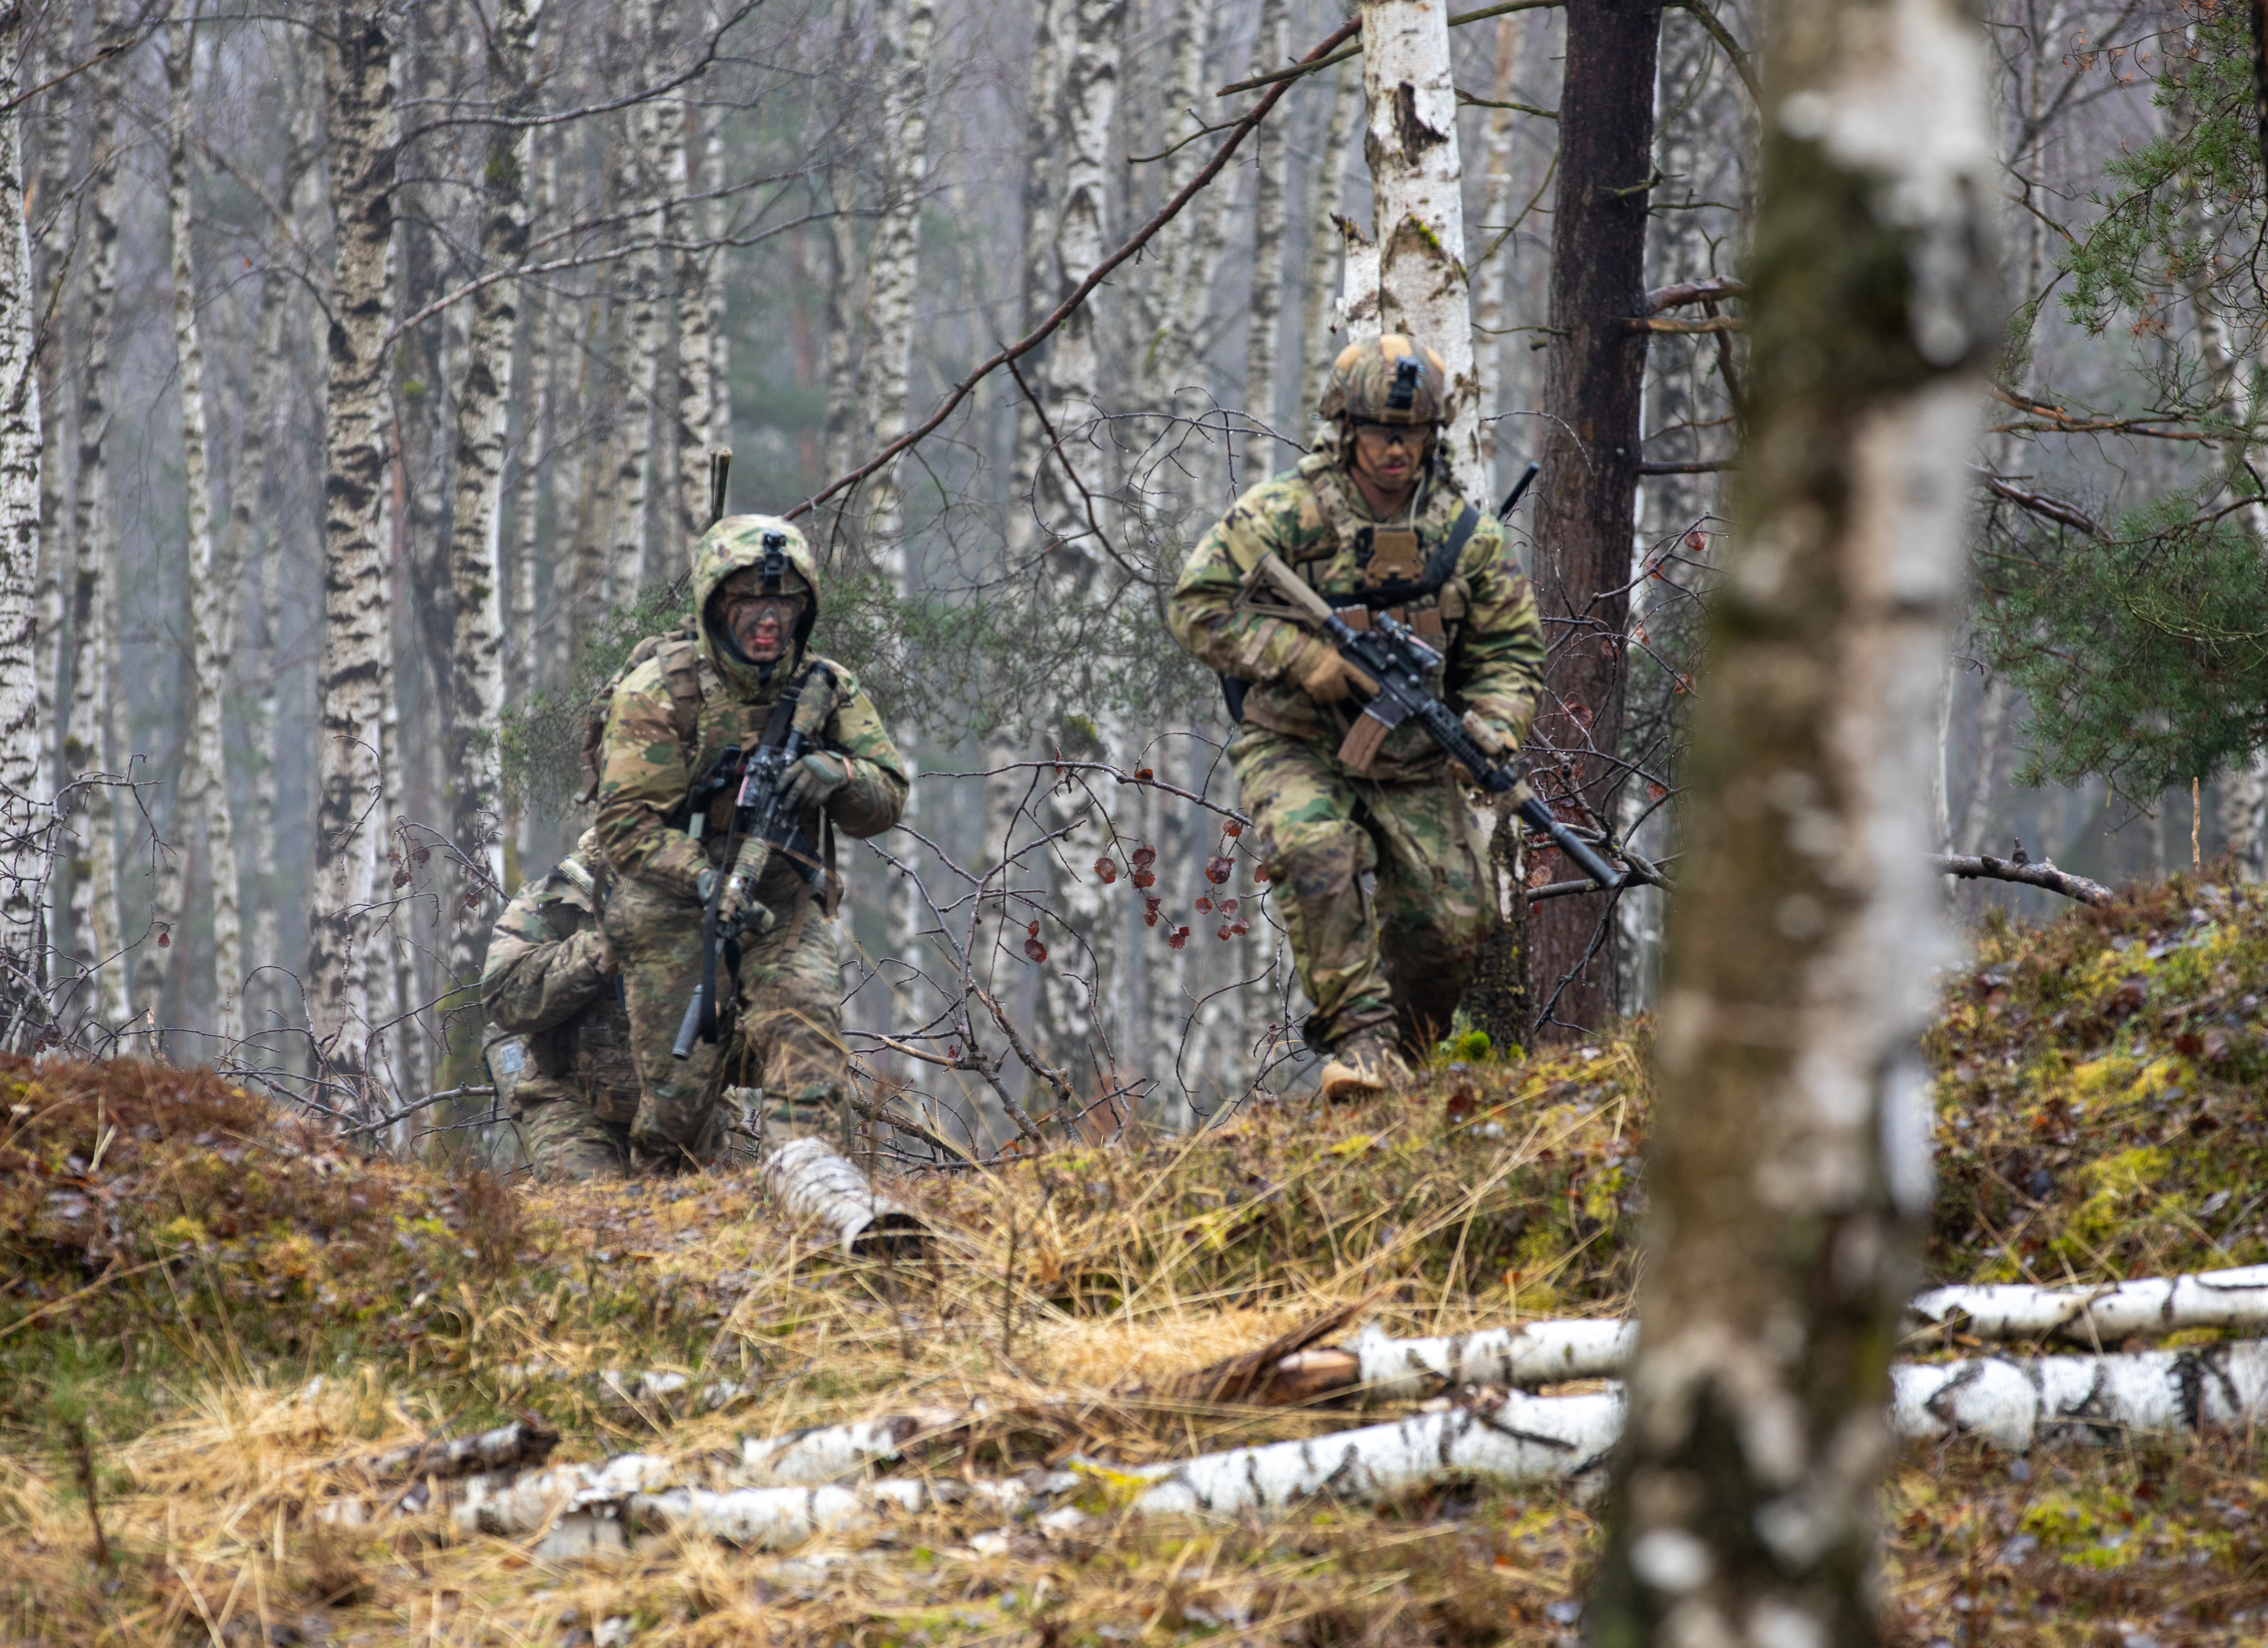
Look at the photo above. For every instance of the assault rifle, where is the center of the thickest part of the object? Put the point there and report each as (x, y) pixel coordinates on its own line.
(761, 815)
(1390, 666)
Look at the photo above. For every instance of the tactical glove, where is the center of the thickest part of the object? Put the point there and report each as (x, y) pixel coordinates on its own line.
(1325, 677)
(815, 781)
(738, 911)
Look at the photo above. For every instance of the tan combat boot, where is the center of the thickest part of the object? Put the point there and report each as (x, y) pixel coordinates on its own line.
(1362, 1068)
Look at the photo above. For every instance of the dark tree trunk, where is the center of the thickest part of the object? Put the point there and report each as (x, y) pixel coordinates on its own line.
(1591, 450)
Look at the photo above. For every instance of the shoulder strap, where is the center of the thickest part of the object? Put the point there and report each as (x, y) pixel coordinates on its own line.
(680, 673)
(1439, 566)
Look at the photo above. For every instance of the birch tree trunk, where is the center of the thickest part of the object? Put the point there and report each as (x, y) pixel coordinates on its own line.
(354, 681)
(23, 865)
(523, 658)
(1326, 245)
(1189, 247)
(1594, 382)
(94, 923)
(1264, 345)
(1492, 281)
(1418, 217)
(692, 388)
(1790, 1166)
(475, 569)
(646, 166)
(56, 256)
(204, 788)
(908, 29)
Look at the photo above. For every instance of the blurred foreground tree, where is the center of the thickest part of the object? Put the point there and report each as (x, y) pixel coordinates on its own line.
(1790, 1166)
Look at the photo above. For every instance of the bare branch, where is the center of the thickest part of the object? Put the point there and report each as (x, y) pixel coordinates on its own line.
(2041, 873)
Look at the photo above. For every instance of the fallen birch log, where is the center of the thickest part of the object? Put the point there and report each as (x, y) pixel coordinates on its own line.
(521, 1444)
(2015, 1403)
(828, 1453)
(2099, 1315)
(818, 1183)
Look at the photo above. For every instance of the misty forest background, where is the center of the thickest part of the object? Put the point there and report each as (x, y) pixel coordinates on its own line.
(787, 230)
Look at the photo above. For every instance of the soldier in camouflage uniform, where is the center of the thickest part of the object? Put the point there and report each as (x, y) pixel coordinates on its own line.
(756, 588)
(1372, 521)
(551, 979)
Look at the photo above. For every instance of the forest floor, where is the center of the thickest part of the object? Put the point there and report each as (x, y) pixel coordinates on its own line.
(209, 1316)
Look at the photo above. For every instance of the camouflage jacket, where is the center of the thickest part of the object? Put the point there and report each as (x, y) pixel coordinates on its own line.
(645, 779)
(1483, 618)
(543, 983)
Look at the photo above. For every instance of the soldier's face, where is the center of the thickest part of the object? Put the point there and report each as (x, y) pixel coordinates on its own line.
(1390, 453)
(761, 624)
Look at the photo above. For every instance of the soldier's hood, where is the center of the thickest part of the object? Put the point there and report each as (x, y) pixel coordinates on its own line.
(742, 541)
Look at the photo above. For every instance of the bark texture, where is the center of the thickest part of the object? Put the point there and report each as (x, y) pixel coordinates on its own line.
(23, 867)
(475, 562)
(1325, 244)
(1417, 191)
(204, 788)
(94, 933)
(1790, 1171)
(1263, 344)
(1592, 374)
(354, 679)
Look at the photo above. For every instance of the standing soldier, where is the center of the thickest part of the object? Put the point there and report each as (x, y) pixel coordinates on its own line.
(1373, 521)
(551, 979)
(755, 593)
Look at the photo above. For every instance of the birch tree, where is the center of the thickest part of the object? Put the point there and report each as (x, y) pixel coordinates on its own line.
(23, 873)
(1325, 243)
(354, 674)
(94, 930)
(655, 154)
(204, 788)
(1419, 208)
(475, 573)
(1789, 1163)
(1264, 345)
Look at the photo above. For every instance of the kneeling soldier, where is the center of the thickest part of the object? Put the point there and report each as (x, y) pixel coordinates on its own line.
(551, 979)
(1373, 521)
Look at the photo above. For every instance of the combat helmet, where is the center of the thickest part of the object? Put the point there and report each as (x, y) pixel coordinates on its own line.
(782, 563)
(1391, 378)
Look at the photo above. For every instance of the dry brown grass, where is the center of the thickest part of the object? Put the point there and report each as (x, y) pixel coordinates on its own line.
(236, 1308)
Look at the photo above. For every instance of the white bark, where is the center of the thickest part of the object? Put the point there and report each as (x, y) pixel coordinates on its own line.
(656, 149)
(2015, 1404)
(524, 660)
(1188, 249)
(1790, 1171)
(1354, 312)
(1264, 345)
(354, 679)
(94, 926)
(212, 584)
(831, 1454)
(691, 386)
(2243, 795)
(1534, 1353)
(1326, 245)
(476, 561)
(2103, 1315)
(908, 29)
(1419, 212)
(56, 552)
(1492, 282)
(815, 1182)
(23, 866)
(713, 274)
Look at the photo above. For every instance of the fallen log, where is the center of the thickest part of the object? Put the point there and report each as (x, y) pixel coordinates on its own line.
(527, 1441)
(2099, 1315)
(828, 1453)
(2015, 1404)
(816, 1183)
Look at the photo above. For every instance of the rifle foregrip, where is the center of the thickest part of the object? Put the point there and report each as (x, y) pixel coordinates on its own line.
(689, 1031)
(1534, 812)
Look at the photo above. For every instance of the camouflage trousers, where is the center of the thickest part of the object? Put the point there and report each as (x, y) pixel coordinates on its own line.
(1394, 956)
(787, 1039)
(562, 1135)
